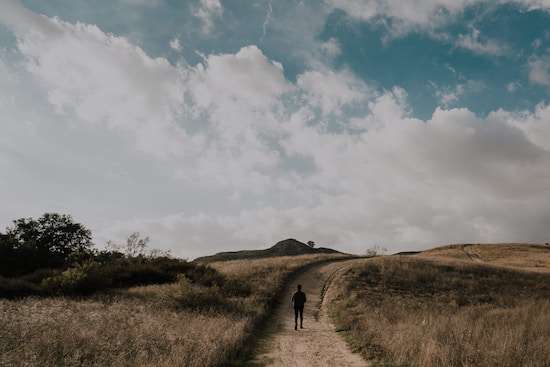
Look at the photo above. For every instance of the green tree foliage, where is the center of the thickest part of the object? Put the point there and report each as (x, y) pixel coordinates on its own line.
(51, 241)
(53, 255)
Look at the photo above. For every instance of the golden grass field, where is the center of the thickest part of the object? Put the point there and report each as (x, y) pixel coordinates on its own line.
(178, 324)
(522, 256)
(474, 305)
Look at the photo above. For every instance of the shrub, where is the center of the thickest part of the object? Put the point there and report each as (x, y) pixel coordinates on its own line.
(72, 280)
(205, 275)
(196, 297)
(12, 288)
(92, 276)
(37, 276)
(236, 288)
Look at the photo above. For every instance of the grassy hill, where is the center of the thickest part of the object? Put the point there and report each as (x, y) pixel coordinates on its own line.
(288, 247)
(456, 305)
(183, 323)
(524, 256)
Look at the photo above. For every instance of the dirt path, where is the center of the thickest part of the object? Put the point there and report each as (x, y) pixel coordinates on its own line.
(317, 344)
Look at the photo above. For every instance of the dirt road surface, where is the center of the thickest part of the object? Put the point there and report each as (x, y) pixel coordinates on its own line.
(318, 344)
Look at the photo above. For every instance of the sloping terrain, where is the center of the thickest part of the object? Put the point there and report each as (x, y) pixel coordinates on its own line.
(288, 247)
(452, 310)
(186, 323)
(531, 257)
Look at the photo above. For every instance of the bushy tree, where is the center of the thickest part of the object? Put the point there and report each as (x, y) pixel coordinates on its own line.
(51, 241)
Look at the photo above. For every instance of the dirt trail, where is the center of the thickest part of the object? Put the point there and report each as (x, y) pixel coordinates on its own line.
(317, 344)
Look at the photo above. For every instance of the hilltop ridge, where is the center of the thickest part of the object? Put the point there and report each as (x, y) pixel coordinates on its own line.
(526, 256)
(288, 247)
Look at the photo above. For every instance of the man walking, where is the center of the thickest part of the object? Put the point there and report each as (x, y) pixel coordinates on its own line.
(298, 300)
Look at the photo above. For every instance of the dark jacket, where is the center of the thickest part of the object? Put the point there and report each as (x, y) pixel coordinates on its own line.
(299, 299)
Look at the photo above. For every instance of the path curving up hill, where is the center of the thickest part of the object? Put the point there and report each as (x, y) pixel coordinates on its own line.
(318, 344)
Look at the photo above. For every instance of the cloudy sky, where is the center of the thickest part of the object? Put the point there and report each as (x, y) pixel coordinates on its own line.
(216, 125)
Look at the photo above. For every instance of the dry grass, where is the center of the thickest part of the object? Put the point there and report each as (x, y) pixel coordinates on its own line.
(406, 311)
(522, 256)
(118, 332)
(178, 324)
(267, 276)
(280, 265)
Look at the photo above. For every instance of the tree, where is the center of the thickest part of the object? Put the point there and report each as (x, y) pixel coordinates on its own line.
(135, 245)
(375, 251)
(8, 246)
(311, 244)
(51, 241)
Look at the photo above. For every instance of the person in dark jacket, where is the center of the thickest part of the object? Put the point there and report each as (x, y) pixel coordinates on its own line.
(298, 301)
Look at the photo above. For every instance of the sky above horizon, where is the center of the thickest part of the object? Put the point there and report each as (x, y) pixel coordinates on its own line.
(216, 125)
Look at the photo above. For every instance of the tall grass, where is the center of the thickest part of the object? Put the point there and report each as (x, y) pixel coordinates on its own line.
(267, 276)
(412, 312)
(183, 323)
(117, 332)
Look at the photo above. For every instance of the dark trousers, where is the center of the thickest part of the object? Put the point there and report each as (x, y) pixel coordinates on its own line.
(298, 310)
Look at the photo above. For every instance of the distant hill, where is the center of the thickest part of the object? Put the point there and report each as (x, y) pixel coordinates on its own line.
(288, 247)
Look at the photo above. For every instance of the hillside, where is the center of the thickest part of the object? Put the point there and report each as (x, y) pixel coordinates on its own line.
(288, 247)
(456, 305)
(531, 257)
(207, 317)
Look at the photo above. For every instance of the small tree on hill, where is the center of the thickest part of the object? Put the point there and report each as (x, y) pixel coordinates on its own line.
(135, 245)
(311, 244)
